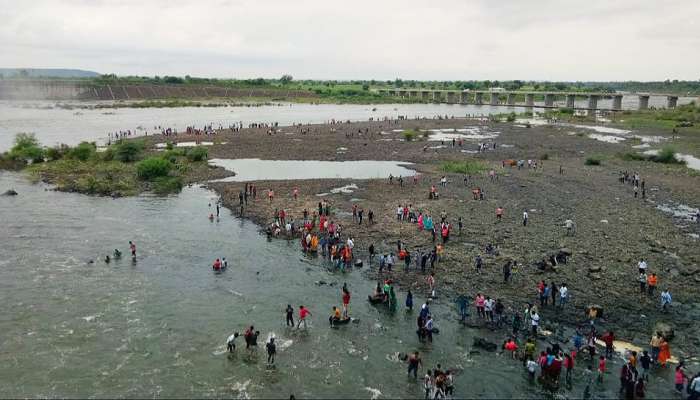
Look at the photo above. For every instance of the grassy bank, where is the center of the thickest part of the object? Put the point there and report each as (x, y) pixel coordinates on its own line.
(685, 117)
(125, 168)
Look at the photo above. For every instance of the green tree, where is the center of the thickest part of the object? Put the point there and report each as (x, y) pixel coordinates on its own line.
(285, 79)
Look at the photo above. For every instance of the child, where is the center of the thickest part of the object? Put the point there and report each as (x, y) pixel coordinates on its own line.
(230, 342)
(601, 368)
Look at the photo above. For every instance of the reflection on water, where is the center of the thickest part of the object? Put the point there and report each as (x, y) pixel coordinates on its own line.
(253, 169)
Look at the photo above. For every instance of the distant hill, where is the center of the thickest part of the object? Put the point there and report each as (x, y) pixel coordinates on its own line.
(46, 73)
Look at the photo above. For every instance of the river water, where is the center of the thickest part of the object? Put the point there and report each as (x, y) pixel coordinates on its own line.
(157, 327)
(55, 125)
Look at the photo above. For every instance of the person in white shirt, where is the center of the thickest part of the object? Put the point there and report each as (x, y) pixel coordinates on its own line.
(350, 243)
(531, 368)
(230, 342)
(399, 213)
(535, 321)
(642, 265)
(694, 388)
(525, 217)
(563, 295)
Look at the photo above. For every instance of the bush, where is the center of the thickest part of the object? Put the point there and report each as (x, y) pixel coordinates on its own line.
(57, 152)
(510, 117)
(593, 160)
(26, 147)
(632, 156)
(667, 155)
(167, 184)
(409, 135)
(152, 168)
(198, 153)
(544, 157)
(463, 167)
(128, 150)
(566, 110)
(83, 152)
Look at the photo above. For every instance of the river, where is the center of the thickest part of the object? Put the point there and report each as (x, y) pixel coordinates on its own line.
(54, 125)
(157, 327)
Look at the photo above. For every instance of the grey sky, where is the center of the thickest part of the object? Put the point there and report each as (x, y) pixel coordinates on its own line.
(382, 39)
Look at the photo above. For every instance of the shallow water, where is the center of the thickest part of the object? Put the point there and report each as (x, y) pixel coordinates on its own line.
(54, 126)
(254, 169)
(157, 328)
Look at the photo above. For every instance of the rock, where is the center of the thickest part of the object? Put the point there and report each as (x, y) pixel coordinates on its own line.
(485, 344)
(665, 329)
(10, 192)
(688, 270)
(595, 277)
(565, 251)
(595, 268)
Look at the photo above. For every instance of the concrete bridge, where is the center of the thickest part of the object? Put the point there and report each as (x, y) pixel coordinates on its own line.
(508, 98)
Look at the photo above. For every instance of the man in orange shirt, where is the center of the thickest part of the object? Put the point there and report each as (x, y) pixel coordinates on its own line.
(652, 281)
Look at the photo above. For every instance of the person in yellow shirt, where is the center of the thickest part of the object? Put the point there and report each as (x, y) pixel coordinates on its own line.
(335, 315)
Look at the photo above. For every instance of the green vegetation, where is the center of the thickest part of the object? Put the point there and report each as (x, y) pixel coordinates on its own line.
(685, 116)
(667, 155)
(632, 156)
(152, 168)
(469, 167)
(409, 135)
(196, 154)
(594, 160)
(126, 168)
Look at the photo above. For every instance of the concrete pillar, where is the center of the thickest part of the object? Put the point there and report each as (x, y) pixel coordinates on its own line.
(494, 99)
(549, 100)
(570, 101)
(643, 101)
(478, 98)
(617, 102)
(403, 93)
(450, 97)
(511, 99)
(464, 97)
(671, 101)
(391, 92)
(592, 102)
(530, 100)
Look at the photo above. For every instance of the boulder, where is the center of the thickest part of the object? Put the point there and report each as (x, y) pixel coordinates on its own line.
(565, 251)
(10, 192)
(485, 344)
(665, 329)
(595, 268)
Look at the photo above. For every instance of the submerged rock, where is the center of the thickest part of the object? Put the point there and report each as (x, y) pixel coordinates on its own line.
(10, 192)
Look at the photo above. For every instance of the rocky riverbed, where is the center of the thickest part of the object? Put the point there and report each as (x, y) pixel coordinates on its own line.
(613, 228)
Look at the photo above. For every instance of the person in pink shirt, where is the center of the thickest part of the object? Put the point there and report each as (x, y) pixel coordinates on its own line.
(480, 302)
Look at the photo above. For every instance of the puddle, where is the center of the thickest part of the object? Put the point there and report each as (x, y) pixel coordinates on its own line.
(507, 145)
(184, 144)
(680, 211)
(606, 138)
(602, 129)
(253, 169)
(690, 161)
(642, 146)
(471, 132)
(345, 189)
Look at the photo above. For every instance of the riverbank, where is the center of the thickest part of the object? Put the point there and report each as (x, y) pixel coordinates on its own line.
(614, 229)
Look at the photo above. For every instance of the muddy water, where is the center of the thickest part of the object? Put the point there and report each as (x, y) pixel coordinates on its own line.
(254, 169)
(156, 328)
(53, 126)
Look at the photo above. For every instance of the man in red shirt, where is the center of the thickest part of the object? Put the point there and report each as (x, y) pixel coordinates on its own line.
(609, 339)
(303, 312)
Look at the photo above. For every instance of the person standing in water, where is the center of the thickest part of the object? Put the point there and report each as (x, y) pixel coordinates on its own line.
(230, 342)
(290, 315)
(346, 300)
(132, 246)
(303, 313)
(271, 351)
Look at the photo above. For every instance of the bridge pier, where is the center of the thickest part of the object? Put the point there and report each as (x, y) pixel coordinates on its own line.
(464, 97)
(450, 97)
(511, 99)
(425, 95)
(478, 98)
(592, 102)
(413, 94)
(529, 100)
(643, 101)
(437, 96)
(549, 99)
(494, 99)
(671, 101)
(617, 102)
(570, 101)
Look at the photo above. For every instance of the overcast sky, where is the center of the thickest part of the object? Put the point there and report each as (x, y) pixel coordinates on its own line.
(358, 39)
